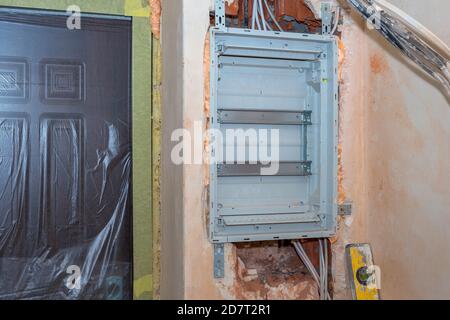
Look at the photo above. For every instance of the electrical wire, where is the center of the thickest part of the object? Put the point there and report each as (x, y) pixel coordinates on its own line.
(325, 253)
(322, 278)
(267, 23)
(261, 14)
(323, 250)
(259, 21)
(272, 16)
(253, 15)
(306, 261)
(255, 18)
(336, 20)
(415, 41)
(321, 271)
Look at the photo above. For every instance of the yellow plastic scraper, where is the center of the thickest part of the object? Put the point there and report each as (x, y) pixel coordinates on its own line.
(364, 276)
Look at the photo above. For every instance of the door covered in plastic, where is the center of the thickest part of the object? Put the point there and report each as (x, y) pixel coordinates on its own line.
(65, 157)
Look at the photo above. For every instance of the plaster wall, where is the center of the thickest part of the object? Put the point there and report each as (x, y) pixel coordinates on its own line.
(183, 85)
(408, 170)
(352, 141)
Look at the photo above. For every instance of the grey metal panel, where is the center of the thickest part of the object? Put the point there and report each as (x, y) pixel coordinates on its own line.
(264, 117)
(274, 236)
(280, 218)
(256, 210)
(262, 84)
(264, 80)
(271, 52)
(285, 169)
(290, 144)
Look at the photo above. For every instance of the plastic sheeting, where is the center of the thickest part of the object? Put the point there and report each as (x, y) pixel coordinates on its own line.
(65, 158)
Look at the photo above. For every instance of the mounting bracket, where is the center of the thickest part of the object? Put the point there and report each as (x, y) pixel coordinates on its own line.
(345, 209)
(219, 255)
(326, 18)
(219, 260)
(219, 10)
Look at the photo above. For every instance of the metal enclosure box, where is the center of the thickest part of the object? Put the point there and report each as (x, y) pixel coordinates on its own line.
(275, 81)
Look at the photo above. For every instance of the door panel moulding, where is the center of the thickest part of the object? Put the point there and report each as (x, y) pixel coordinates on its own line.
(146, 117)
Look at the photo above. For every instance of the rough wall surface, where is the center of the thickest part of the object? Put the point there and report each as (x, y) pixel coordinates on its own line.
(155, 19)
(394, 133)
(408, 152)
(352, 141)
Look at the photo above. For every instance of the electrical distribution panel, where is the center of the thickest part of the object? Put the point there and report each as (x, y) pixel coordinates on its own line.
(283, 84)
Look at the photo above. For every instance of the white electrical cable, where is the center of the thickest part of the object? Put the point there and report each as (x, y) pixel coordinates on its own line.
(259, 21)
(306, 261)
(323, 269)
(272, 16)
(325, 245)
(336, 20)
(267, 23)
(325, 242)
(255, 15)
(324, 275)
(322, 279)
(261, 14)
(426, 35)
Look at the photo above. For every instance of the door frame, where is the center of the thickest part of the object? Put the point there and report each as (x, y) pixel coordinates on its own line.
(144, 114)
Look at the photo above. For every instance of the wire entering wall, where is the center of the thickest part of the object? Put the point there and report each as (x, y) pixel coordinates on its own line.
(322, 277)
(272, 16)
(336, 20)
(258, 16)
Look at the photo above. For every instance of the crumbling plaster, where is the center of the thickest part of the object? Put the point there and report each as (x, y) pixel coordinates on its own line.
(408, 174)
(352, 123)
(194, 255)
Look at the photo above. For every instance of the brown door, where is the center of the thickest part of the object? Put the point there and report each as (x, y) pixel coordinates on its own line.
(65, 157)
